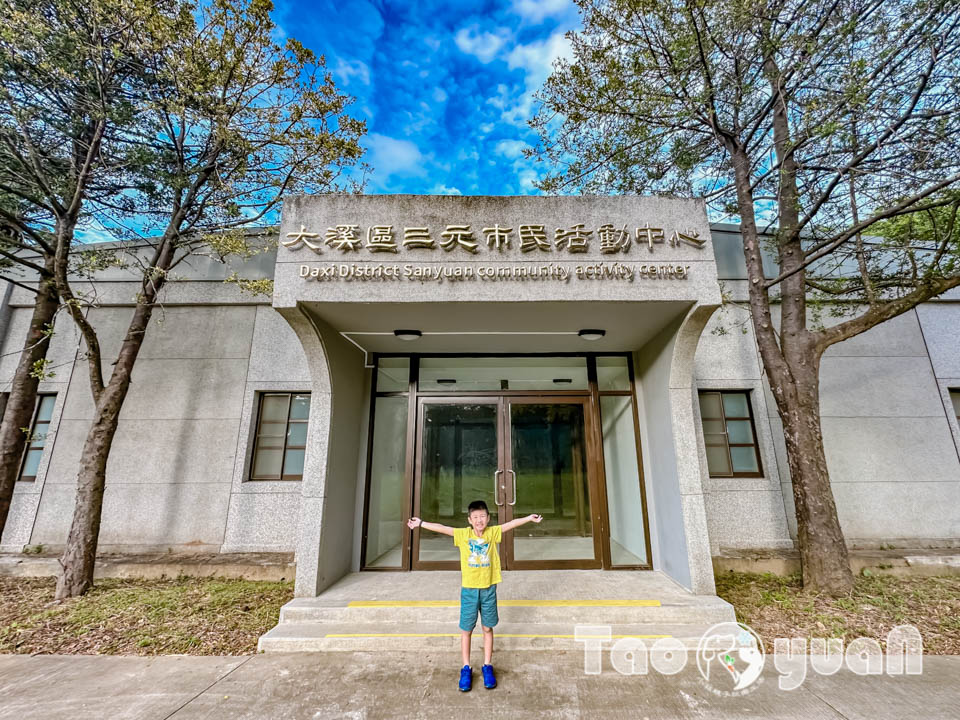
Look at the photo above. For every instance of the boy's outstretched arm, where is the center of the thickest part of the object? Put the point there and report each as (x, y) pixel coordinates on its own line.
(416, 522)
(517, 522)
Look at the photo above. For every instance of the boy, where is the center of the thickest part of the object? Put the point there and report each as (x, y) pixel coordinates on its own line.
(480, 573)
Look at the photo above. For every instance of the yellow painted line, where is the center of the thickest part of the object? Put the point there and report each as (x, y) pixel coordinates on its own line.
(402, 603)
(398, 635)
(501, 635)
(507, 603)
(578, 603)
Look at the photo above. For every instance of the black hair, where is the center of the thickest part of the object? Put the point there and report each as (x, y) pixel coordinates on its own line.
(477, 505)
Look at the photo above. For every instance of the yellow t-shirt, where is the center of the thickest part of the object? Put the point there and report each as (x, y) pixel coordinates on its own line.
(479, 560)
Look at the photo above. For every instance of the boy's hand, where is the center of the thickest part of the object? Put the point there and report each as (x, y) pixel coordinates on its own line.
(517, 522)
(414, 522)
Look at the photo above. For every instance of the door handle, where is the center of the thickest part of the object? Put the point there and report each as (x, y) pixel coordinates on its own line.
(496, 488)
(514, 487)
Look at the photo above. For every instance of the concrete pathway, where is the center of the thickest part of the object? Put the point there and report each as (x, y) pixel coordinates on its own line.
(409, 685)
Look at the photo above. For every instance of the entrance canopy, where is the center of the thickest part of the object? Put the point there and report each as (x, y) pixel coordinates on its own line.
(498, 326)
(489, 276)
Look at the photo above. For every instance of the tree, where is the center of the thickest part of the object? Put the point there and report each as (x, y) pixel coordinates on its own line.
(232, 123)
(66, 71)
(176, 124)
(825, 120)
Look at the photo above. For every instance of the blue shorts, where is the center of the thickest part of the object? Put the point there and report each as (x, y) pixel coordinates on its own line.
(474, 600)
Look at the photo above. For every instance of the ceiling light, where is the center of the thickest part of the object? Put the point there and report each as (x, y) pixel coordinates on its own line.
(592, 334)
(408, 335)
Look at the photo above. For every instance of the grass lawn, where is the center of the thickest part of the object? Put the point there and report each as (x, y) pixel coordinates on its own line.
(193, 616)
(776, 606)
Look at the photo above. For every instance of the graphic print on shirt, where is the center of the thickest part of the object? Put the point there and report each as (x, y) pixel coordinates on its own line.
(479, 553)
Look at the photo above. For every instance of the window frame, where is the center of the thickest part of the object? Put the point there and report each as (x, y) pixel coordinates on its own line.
(951, 394)
(41, 396)
(725, 418)
(252, 477)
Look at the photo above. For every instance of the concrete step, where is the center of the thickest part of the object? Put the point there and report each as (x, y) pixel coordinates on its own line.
(321, 637)
(538, 609)
(694, 609)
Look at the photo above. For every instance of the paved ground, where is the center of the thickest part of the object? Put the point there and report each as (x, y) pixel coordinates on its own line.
(394, 685)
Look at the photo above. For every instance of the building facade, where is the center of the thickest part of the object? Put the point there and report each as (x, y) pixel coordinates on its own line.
(565, 356)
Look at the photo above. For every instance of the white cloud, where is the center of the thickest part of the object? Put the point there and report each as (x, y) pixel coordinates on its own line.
(390, 156)
(95, 235)
(503, 98)
(346, 70)
(419, 118)
(537, 60)
(522, 166)
(439, 94)
(537, 10)
(516, 104)
(537, 57)
(483, 45)
(527, 178)
(512, 149)
(441, 189)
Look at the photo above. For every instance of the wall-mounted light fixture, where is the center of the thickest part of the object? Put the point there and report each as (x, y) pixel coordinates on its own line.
(592, 334)
(408, 335)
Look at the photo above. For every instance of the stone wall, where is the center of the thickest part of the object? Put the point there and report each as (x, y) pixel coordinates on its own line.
(177, 469)
(890, 435)
(177, 474)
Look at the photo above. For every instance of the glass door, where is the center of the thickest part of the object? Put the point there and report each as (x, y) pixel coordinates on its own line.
(550, 471)
(459, 461)
(521, 455)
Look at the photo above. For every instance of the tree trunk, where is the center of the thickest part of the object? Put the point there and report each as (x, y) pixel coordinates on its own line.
(77, 561)
(792, 365)
(20, 406)
(823, 551)
(79, 555)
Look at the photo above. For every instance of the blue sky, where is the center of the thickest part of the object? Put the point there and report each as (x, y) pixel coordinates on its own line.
(446, 88)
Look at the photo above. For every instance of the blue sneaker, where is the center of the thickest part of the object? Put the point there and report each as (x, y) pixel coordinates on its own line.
(489, 679)
(466, 678)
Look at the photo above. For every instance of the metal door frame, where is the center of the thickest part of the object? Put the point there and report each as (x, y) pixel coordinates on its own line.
(593, 431)
(594, 493)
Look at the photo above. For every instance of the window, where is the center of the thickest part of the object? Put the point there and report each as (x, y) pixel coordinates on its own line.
(38, 437)
(729, 434)
(955, 397)
(281, 436)
(492, 373)
(386, 512)
(621, 462)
